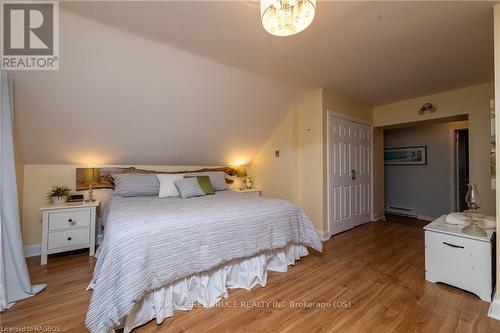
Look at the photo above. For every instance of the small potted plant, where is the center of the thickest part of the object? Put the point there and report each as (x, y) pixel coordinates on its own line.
(59, 194)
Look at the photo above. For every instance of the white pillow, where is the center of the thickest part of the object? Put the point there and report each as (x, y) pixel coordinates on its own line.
(167, 184)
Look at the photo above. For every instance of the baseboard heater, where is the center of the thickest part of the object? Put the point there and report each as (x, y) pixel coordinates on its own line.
(410, 212)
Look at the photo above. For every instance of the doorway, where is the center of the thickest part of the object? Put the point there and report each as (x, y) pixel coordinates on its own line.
(438, 184)
(461, 168)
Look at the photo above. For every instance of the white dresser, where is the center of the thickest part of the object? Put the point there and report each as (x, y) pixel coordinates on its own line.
(67, 227)
(458, 259)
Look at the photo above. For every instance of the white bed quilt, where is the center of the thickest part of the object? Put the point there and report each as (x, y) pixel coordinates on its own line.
(150, 242)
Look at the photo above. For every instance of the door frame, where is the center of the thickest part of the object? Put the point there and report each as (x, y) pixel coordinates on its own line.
(454, 165)
(335, 114)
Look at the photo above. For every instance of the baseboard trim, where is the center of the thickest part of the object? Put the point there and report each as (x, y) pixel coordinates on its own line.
(377, 217)
(426, 218)
(324, 235)
(32, 250)
(494, 310)
(419, 216)
(36, 249)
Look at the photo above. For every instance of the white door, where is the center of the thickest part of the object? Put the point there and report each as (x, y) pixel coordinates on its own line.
(349, 170)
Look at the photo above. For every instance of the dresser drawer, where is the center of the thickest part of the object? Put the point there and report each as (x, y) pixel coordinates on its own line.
(69, 219)
(67, 238)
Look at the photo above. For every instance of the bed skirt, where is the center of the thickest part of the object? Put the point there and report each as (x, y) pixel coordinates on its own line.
(210, 287)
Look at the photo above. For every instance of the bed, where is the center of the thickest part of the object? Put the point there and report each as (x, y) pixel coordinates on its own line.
(164, 254)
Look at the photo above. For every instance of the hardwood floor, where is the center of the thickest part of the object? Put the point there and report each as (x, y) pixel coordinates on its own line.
(377, 268)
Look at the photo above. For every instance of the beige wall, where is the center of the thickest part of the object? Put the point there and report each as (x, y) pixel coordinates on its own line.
(275, 176)
(341, 104)
(296, 174)
(310, 158)
(472, 101)
(302, 136)
(38, 178)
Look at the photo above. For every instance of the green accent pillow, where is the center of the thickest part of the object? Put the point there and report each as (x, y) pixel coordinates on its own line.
(205, 183)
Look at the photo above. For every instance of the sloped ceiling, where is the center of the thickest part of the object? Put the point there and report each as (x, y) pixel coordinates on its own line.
(201, 83)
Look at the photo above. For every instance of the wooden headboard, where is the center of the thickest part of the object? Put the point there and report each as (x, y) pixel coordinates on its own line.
(107, 178)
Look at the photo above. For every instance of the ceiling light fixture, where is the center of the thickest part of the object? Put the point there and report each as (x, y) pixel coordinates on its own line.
(286, 17)
(427, 107)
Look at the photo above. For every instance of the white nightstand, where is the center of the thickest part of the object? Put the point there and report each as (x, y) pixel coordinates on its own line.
(253, 191)
(458, 259)
(67, 227)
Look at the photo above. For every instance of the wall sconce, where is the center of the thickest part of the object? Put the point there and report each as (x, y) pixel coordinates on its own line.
(427, 107)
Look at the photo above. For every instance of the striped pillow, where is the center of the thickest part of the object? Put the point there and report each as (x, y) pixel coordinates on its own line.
(136, 184)
(189, 187)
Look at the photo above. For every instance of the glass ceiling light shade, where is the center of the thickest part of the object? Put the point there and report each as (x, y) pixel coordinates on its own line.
(286, 17)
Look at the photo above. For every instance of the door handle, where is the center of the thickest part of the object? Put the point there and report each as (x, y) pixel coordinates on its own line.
(453, 245)
(353, 174)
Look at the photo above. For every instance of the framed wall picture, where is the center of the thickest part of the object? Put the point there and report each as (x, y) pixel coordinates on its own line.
(406, 156)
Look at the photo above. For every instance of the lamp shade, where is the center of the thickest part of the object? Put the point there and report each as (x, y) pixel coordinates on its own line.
(91, 176)
(241, 172)
(286, 17)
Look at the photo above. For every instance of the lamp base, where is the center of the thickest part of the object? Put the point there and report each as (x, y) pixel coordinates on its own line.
(243, 184)
(91, 194)
(474, 230)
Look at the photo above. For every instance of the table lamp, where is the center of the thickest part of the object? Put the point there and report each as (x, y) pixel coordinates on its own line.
(91, 177)
(241, 172)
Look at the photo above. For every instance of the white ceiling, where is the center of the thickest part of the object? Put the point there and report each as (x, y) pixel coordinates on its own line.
(202, 83)
(375, 51)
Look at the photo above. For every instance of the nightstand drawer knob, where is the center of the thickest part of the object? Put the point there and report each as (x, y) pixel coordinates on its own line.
(70, 220)
(69, 238)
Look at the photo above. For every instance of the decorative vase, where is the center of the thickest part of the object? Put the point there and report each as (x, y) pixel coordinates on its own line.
(242, 183)
(249, 183)
(58, 200)
(474, 203)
